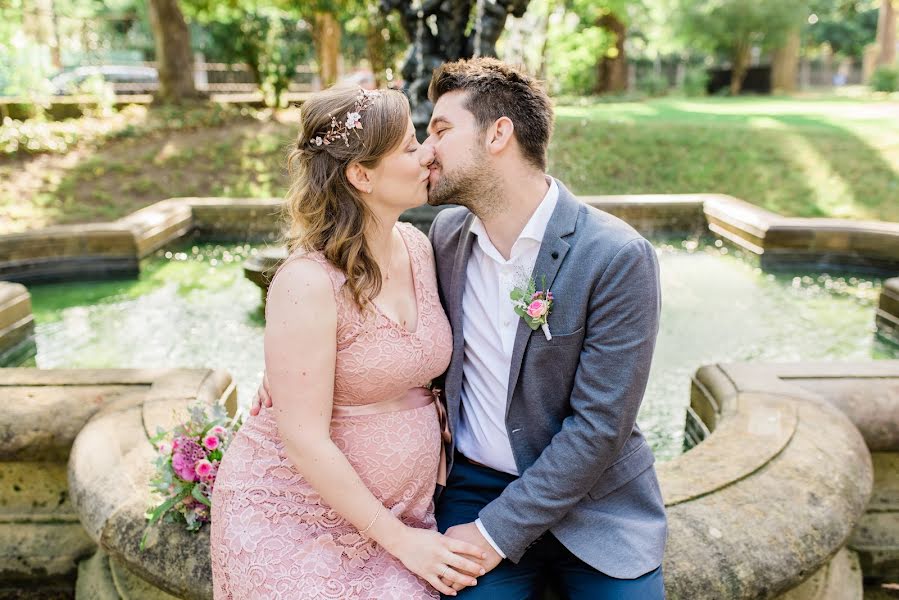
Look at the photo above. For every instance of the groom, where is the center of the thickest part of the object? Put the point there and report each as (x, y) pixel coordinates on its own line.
(549, 472)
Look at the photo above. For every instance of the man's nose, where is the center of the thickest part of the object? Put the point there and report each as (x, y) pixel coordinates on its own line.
(427, 154)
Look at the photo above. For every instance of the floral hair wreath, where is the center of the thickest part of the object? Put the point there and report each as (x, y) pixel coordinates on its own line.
(353, 121)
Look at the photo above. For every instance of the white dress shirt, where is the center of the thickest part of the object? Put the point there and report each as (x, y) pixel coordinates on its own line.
(489, 325)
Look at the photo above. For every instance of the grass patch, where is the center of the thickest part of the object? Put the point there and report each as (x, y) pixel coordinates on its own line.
(813, 158)
(829, 158)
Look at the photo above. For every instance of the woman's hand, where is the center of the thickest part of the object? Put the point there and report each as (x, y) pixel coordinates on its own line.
(437, 559)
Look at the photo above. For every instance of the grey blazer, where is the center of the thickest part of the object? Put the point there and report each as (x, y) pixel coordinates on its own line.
(587, 473)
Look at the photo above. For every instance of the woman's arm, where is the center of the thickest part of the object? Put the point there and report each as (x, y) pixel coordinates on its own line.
(300, 355)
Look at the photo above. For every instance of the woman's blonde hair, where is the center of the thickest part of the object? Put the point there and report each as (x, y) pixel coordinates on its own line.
(325, 212)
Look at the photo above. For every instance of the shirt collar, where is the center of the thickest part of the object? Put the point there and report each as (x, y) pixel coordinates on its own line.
(535, 228)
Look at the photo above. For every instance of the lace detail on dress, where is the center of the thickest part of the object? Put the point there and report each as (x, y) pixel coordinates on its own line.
(272, 536)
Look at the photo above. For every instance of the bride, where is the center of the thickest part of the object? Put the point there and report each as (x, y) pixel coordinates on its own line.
(330, 493)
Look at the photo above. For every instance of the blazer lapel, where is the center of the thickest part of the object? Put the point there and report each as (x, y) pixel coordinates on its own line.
(549, 260)
(456, 291)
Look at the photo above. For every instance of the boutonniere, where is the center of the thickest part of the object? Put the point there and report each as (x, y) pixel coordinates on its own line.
(533, 306)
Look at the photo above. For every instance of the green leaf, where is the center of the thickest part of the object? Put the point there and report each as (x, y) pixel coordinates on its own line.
(198, 494)
(166, 506)
(158, 512)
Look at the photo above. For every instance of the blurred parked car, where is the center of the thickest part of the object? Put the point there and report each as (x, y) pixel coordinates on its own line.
(125, 79)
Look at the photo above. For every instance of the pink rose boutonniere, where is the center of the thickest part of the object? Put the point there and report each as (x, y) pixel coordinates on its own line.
(533, 306)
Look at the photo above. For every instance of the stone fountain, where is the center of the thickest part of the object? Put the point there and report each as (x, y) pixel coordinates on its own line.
(438, 32)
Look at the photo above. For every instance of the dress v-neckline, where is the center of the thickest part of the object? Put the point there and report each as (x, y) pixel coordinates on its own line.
(414, 291)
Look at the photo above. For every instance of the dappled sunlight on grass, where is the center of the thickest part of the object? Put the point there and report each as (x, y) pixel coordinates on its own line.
(800, 158)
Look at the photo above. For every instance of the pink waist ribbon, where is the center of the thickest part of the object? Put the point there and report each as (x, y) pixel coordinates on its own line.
(413, 398)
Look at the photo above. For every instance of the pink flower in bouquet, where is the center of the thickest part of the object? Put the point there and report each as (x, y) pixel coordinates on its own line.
(218, 430)
(537, 309)
(165, 448)
(183, 467)
(211, 442)
(203, 468)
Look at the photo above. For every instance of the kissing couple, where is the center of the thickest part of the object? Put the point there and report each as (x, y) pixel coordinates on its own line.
(454, 414)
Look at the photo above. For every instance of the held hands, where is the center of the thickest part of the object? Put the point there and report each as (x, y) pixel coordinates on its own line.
(263, 397)
(439, 559)
(469, 532)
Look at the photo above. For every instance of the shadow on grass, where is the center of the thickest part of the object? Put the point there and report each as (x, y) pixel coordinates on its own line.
(767, 153)
(871, 183)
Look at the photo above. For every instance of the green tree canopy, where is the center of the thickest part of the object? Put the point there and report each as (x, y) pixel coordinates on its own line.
(731, 28)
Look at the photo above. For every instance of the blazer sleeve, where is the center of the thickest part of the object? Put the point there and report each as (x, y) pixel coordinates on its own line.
(621, 326)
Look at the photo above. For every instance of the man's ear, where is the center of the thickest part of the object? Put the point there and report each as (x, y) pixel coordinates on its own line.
(359, 177)
(499, 135)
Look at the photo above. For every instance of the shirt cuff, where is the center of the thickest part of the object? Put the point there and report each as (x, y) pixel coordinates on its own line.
(487, 537)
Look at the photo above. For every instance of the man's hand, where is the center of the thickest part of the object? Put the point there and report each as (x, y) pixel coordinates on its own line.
(469, 532)
(263, 397)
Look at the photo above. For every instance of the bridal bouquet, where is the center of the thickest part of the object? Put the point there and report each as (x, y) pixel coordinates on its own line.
(186, 465)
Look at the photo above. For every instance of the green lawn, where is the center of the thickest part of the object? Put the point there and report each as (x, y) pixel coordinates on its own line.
(835, 157)
(828, 158)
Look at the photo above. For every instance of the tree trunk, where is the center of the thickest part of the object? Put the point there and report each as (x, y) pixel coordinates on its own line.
(174, 60)
(739, 67)
(376, 45)
(886, 33)
(544, 47)
(612, 67)
(785, 64)
(326, 36)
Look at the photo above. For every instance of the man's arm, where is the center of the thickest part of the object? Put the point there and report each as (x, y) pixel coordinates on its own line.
(621, 329)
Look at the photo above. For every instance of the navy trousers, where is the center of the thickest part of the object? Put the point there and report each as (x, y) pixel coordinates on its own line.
(546, 564)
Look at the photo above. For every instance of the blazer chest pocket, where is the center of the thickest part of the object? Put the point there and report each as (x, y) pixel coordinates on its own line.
(538, 339)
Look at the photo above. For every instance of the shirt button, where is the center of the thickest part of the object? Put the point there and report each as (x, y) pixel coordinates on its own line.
(506, 323)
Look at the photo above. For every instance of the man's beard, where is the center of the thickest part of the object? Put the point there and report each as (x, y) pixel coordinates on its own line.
(473, 185)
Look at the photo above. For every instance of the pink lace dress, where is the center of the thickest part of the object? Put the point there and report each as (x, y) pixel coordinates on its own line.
(272, 536)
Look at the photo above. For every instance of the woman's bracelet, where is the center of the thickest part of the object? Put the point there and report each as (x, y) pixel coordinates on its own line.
(377, 514)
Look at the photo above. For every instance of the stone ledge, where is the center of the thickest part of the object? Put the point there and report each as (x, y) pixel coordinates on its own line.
(109, 470)
(44, 409)
(787, 242)
(16, 322)
(840, 579)
(765, 526)
(158, 224)
(41, 536)
(652, 214)
(887, 316)
(772, 494)
(78, 252)
(868, 394)
(239, 219)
